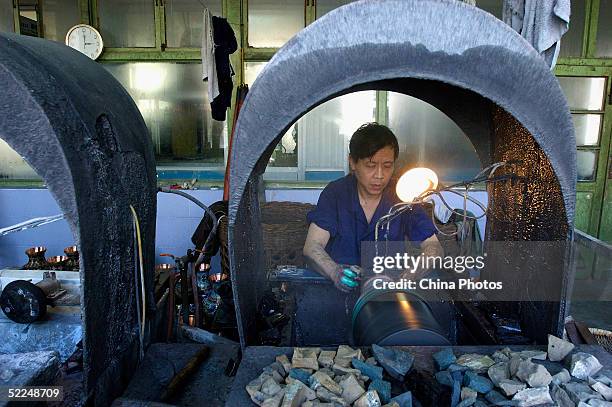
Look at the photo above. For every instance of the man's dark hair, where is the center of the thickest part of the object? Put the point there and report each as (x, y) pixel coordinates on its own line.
(369, 138)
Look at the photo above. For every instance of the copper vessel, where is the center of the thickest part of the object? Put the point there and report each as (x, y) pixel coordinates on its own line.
(57, 262)
(72, 261)
(36, 259)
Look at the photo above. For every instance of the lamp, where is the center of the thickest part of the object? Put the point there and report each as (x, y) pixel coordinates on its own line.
(416, 182)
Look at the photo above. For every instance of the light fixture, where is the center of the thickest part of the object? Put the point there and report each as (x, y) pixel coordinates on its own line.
(416, 182)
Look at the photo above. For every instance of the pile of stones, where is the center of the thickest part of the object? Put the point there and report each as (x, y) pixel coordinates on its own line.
(333, 378)
(557, 377)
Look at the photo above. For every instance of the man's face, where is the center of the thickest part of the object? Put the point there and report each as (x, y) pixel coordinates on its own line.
(374, 173)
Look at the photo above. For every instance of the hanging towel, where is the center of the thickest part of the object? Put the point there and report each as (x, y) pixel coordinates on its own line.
(541, 22)
(209, 64)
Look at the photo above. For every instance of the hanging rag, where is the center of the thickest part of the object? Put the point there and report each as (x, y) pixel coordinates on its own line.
(209, 66)
(225, 45)
(541, 22)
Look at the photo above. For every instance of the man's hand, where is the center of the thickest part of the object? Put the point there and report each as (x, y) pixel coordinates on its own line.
(346, 278)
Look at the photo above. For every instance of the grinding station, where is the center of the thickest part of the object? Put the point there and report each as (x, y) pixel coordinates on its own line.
(94, 152)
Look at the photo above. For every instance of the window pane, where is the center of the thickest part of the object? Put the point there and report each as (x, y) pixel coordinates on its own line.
(322, 137)
(494, 7)
(325, 6)
(583, 93)
(571, 43)
(272, 23)
(586, 164)
(174, 103)
(58, 17)
(6, 16)
(12, 166)
(127, 23)
(429, 138)
(28, 17)
(587, 129)
(604, 29)
(251, 71)
(184, 21)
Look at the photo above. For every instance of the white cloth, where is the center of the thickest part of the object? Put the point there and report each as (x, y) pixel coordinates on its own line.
(209, 66)
(541, 22)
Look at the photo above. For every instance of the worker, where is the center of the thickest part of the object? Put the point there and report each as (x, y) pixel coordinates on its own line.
(348, 209)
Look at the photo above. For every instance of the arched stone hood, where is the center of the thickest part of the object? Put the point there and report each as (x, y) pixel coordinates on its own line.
(83, 134)
(462, 60)
(366, 42)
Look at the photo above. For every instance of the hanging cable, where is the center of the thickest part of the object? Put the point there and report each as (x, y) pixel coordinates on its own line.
(140, 265)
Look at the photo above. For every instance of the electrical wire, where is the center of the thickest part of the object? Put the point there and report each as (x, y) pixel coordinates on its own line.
(139, 308)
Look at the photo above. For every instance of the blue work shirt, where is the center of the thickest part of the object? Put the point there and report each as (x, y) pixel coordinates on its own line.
(340, 213)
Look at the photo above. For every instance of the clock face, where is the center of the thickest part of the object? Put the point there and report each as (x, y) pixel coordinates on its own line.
(86, 39)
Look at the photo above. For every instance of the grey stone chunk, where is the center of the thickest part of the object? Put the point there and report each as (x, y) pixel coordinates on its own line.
(294, 395)
(255, 385)
(533, 374)
(345, 355)
(533, 354)
(467, 402)
(515, 361)
(327, 396)
(391, 404)
(270, 387)
(328, 372)
(584, 365)
(276, 370)
(558, 349)
(560, 397)
(597, 403)
(369, 399)
(305, 358)
(605, 377)
(284, 360)
(351, 389)
(326, 358)
(497, 399)
(579, 391)
(341, 370)
(321, 379)
(602, 389)
(372, 361)
(467, 393)
(396, 362)
(476, 362)
(308, 392)
(29, 369)
(533, 397)
(499, 371)
(511, 387)
(274, 401)
(562, 377)
(500, 356)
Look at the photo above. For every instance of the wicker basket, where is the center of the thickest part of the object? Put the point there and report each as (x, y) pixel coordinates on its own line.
(603, 337)
(284, 229)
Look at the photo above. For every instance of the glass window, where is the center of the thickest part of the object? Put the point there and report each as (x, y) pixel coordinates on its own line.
(325, 6)
(429, 138)
(583, 93)
(7, 21)
(58, 17)
(13, 166)
(252, 70)
(127, 23)
(494, 7)
(173, 101)
(28, 18)
(271, 23)
(571, 43)
(587, 129)
(184, 21)
(604, 29)
(586, 161)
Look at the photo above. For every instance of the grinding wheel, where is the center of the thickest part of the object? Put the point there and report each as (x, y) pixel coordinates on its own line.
(23, 302)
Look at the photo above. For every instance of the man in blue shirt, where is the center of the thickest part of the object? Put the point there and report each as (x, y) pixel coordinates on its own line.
(348, 209)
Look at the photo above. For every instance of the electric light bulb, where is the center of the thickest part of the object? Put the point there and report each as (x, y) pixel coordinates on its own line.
(414, 182)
